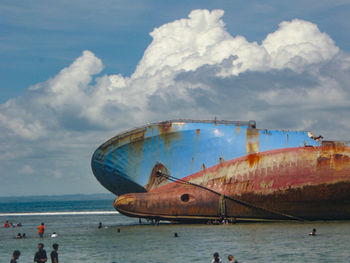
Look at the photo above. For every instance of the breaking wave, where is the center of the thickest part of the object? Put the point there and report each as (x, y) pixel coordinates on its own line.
(61, 213)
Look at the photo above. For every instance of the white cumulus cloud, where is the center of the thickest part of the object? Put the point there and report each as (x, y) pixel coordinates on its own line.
(296, 78)
(70, 100)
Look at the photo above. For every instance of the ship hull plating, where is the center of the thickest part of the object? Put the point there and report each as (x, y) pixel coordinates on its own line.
(190, 171)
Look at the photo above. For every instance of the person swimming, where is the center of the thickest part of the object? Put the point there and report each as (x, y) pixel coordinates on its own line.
(313, 232)
(54, 234)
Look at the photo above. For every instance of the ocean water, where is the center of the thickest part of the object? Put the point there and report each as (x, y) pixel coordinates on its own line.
(80, 240)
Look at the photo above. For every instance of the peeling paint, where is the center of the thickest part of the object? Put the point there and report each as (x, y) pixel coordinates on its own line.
(267, 168)
(255, 185)
(252, 141)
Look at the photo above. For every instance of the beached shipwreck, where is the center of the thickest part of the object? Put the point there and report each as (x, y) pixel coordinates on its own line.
(187, 170)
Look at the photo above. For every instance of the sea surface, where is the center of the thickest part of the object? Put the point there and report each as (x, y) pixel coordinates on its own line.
(80, 240)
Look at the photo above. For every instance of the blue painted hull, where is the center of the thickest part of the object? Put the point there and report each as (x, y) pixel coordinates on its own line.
(124, 163)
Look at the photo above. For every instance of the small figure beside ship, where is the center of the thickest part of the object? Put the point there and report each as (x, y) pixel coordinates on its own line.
(195, 171)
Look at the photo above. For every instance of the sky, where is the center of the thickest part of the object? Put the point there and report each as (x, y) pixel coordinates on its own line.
(75, 73)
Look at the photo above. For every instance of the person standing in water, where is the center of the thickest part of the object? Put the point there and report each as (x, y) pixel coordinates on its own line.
(54, 254)
(216, 258)
(232, 259)
(41, 230)
(40, 255)
(15, 256)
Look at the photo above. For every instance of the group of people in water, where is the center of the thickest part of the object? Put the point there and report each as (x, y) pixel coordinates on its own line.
(8, 224)
(217, 259)
(41, 230)
(231, 258)
(19, 236)
(224, 221)
(40, 256)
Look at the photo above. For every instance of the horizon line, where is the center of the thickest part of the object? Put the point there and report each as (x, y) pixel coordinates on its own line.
(61, 213)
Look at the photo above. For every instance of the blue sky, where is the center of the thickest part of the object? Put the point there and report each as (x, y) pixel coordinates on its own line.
(39, 38)
(74, 73)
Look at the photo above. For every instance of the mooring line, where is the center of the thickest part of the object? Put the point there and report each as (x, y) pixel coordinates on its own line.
(178, 180)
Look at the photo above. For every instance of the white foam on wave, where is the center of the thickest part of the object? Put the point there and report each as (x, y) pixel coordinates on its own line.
(61, 213)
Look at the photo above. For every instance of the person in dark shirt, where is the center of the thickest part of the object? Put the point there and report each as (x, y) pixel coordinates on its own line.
(15, 256)
(216, 258)
(54, 254)
(40, 255)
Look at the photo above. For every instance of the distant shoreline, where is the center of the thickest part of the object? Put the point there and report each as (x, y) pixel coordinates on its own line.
(68, 197)
(60, 213)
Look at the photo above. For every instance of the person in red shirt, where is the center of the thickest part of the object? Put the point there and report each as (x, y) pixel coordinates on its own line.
(41, 230)
(6, 224)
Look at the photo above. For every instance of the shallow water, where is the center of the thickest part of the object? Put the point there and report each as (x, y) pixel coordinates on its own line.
(81, 241)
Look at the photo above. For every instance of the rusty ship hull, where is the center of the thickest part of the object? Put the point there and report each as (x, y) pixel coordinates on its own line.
(199, 170)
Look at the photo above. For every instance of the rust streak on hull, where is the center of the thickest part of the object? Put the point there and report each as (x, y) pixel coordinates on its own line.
(197, 170)
(307, 182)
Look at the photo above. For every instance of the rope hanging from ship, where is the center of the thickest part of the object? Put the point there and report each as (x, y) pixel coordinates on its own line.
(244, 203)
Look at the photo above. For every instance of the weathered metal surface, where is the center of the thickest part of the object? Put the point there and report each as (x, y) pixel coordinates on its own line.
(296, 181)
(124, 163)
(156, 181)
(289, 172)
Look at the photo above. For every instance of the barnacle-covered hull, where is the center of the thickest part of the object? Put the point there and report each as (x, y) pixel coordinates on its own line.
(200, 170)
